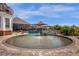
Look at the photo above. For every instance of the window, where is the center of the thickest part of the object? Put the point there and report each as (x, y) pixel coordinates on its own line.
(7, 22)
(0, 21)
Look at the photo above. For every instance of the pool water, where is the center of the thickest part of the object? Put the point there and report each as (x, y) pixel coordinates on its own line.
(34, 34)
(34, 40)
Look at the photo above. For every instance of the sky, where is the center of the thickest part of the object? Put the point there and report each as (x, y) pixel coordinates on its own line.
(49, 13)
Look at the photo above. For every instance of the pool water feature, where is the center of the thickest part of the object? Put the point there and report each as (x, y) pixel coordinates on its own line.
(34, 40)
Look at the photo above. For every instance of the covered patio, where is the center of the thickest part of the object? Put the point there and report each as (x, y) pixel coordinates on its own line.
(20, 25)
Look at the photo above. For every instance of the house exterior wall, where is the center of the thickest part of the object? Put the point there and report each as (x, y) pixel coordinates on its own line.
(2, 33)
(3, 29)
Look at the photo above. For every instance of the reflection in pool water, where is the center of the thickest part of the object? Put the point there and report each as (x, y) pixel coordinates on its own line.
(33, 41)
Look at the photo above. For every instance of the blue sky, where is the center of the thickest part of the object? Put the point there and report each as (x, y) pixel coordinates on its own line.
(50, 13)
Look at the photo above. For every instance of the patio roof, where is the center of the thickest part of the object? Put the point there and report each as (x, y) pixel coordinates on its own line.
(5, 8)
(18, 20)
(40, 23)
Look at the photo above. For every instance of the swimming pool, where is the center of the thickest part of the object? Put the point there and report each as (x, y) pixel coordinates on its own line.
(34, 40)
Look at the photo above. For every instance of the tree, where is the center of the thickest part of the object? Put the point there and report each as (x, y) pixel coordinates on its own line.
(65, 30)
(57, 27)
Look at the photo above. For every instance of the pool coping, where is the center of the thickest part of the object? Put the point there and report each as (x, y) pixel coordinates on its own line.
(66, 50)
(15, 47)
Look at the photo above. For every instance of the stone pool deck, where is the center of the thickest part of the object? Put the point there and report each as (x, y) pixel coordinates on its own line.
(14, 51)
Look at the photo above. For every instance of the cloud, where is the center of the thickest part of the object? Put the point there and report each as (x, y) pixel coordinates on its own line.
(75, 16)
(57, 8)
(30, 13)
(26, 13)
(50, 11)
